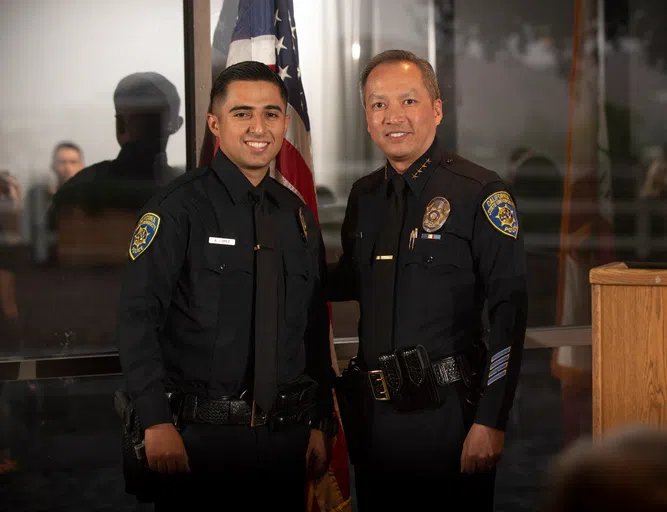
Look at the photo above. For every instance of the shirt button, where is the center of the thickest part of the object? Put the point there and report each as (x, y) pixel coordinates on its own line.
(450, 160)
(222, 267)
(430, 259)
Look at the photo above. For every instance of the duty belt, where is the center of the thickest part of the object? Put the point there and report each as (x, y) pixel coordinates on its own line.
(220, 411)
(294, 404)
(445, 371)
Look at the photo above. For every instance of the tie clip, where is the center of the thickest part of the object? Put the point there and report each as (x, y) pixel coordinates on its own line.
(384, 257)
(413, 237)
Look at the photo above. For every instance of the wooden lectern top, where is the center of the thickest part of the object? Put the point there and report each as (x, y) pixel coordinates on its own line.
(618, 273)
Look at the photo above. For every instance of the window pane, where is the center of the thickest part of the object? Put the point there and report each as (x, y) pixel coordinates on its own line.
(80, 81)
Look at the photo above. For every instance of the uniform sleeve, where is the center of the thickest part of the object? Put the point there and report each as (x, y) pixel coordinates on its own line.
(500, 262)
(341, 282)
(318, 353)
(156, 254)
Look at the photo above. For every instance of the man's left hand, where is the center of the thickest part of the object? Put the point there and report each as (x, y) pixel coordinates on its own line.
(482, 449)
(318, 454)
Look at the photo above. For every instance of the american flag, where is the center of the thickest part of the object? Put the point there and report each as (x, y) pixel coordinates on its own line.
(587, 230)
(265, 31)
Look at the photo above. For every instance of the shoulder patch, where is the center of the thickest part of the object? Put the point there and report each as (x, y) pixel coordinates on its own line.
(501, 212)
(144, 234)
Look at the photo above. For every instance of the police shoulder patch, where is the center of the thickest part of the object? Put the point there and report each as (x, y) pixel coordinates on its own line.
(144, 234)
(501, 212)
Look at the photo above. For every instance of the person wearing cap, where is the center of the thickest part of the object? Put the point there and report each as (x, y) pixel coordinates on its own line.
(429, 240)
(147, 113)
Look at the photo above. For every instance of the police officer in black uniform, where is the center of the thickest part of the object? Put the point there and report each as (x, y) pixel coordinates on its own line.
(223, 323)
(428, 240)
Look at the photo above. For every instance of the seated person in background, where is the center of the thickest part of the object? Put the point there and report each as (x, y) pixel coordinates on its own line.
(147, 107)
(625, 471)
(66, 162)
(655, 183)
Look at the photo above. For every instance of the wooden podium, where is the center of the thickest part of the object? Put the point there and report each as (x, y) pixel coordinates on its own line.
(629, 319)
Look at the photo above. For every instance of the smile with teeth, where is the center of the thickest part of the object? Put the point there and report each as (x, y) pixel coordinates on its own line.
(396, 135)
(257, 145)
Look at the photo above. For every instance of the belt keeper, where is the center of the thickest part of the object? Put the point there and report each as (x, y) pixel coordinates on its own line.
(253, 414)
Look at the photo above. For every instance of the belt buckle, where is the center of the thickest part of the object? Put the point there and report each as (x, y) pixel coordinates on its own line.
(375, 376)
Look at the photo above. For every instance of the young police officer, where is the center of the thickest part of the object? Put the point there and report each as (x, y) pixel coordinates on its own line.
(427, 240)
(223, 325)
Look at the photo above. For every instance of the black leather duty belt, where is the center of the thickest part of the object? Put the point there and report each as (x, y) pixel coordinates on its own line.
(221, 411)
(446, 371)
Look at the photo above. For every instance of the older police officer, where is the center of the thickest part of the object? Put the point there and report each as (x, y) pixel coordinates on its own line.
(428, 240)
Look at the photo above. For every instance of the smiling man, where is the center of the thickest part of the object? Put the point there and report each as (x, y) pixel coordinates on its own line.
(223, 325)
(428, 240)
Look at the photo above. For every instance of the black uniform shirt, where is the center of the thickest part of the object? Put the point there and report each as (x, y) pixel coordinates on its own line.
(186, 308)
(443, 277)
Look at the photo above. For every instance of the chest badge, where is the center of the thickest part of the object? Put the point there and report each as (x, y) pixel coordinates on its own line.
(437, 212)
(304, 227)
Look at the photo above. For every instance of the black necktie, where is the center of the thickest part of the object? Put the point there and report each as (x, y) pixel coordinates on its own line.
(266, 306)
(384, 267)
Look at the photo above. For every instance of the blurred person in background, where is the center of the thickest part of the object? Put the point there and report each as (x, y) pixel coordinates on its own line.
(11, 204)
(66, 162)
(652, 195)
(537, 186)
(624, 471)
(655, 182)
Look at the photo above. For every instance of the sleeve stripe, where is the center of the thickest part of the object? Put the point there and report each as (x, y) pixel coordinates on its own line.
(498, 376)
(499, 362)
(494, 372)
(500, 354)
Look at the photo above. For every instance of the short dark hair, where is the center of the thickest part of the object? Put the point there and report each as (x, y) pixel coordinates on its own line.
(249, 71)
(428, 73)
(66, 144)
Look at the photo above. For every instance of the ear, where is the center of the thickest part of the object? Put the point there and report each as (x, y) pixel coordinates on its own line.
(437, 111)
(179, 122)
(213, 124)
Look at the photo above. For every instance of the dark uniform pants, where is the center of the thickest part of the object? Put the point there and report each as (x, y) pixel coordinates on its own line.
(238, 468)
(414, 459)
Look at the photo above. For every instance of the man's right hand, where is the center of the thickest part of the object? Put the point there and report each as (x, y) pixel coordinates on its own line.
(165, 450)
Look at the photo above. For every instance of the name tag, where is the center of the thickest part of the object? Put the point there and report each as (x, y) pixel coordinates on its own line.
(221, 241)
